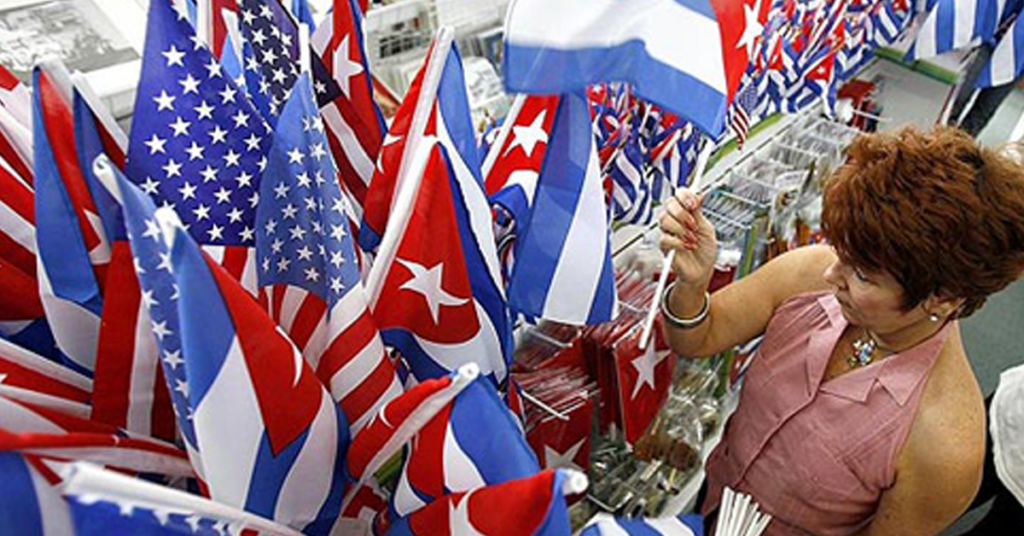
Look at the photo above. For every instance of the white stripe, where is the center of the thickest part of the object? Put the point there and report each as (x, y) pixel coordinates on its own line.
(250, 273)
(229, 430)
(19, 419)
(460, 473)
(75, 329)
(35, 362)
(346, 311)
(290, 305)
(18, 228)
(56, 403)
(357, 369)
(322, 36)
(315, 347)
(607, 526)
(576, 24)
(481, 222)
(575, 281)
(1003, 64)
(349, 142)
(18, 134)
(926, 37)
(963, 25)
(309, 480)
(405, 499)
(56, 517)
(670, 526)
(145, 360)
(216, 253)
(483, 349)
(100, 254)
(134, 459)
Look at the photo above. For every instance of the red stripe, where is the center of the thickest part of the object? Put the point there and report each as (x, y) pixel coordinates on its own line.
(163, 421)
(10, 155)
(349, 180)
(279, 291)
(21, 294)
(19, 257)
(26, 378)
(17, 195)
(346, 346)
(311, 312)
(58, 126)
(36, 441)
(7, 79)
(365, 127)
(235, 258)
(370, 391)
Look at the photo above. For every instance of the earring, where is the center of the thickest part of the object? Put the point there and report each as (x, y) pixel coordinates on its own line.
(933, 317)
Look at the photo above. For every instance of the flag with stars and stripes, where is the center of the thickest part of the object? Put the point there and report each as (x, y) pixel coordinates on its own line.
(344, 90)
(266, 436)
(307, 255)
(197, 143)
(272, 57)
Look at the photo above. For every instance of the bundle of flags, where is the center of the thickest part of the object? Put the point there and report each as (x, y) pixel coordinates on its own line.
(245, 307)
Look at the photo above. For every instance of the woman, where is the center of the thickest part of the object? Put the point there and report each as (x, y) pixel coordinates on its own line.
(860, 414)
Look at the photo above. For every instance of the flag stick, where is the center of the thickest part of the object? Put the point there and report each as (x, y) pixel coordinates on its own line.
(666, 265)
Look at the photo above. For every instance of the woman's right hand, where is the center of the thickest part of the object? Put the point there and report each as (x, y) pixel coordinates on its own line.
(685, 230)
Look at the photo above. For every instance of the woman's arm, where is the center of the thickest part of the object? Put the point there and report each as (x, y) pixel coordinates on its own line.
(741, 310)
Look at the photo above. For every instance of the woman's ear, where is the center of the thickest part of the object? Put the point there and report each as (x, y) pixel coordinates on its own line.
(941, 308)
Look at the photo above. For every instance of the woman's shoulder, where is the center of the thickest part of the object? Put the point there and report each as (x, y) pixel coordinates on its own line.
(796, 273)
(949, 429)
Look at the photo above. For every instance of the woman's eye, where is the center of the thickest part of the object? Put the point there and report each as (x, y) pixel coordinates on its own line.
(860, 275)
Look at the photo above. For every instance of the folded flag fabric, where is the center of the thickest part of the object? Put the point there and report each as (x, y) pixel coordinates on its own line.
(606, 525)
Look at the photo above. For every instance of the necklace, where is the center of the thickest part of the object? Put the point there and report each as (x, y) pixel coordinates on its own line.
(863, 351)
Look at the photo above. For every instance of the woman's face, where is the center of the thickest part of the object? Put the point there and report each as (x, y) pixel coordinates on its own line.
(872, 300)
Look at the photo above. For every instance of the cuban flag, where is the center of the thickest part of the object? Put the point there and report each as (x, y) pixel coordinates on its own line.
(632, 188)
(607, 525)
(345, 94)
(435, 287)
(74, 251)
(1007, 61)
(954, 24)
(533, 505)
(563, 270)
(563, 46)
(262, 431)
(390, 430)
(197, 143)
(400, 144)
(307, 256)
(514, 160)
(474, 441)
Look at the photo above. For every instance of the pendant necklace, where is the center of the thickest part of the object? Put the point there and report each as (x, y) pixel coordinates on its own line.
(863, 351)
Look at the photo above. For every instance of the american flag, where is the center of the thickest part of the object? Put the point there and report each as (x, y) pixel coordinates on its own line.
(742, 111)
(344, 90)
(197, 143)
(271, 60)
(306, 252)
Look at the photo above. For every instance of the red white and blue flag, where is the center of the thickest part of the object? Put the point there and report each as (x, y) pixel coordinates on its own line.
(197, 143)
(344, 91)
(271, 54)
(563, 46)
(307, 256)
(606, 525)
(73, 249)
(563, 269)
(533, 505)
(263, 433)
(435, 287)
(474, 441)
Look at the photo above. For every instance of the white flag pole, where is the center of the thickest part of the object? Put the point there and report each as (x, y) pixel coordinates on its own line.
(696, 183)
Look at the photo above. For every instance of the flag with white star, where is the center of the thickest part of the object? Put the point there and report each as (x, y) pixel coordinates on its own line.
(344, 91)
(255, 418)
(197, 143)
(306, 254)
(272, 55)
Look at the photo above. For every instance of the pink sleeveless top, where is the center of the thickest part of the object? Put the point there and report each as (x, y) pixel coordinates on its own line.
(817, 455)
